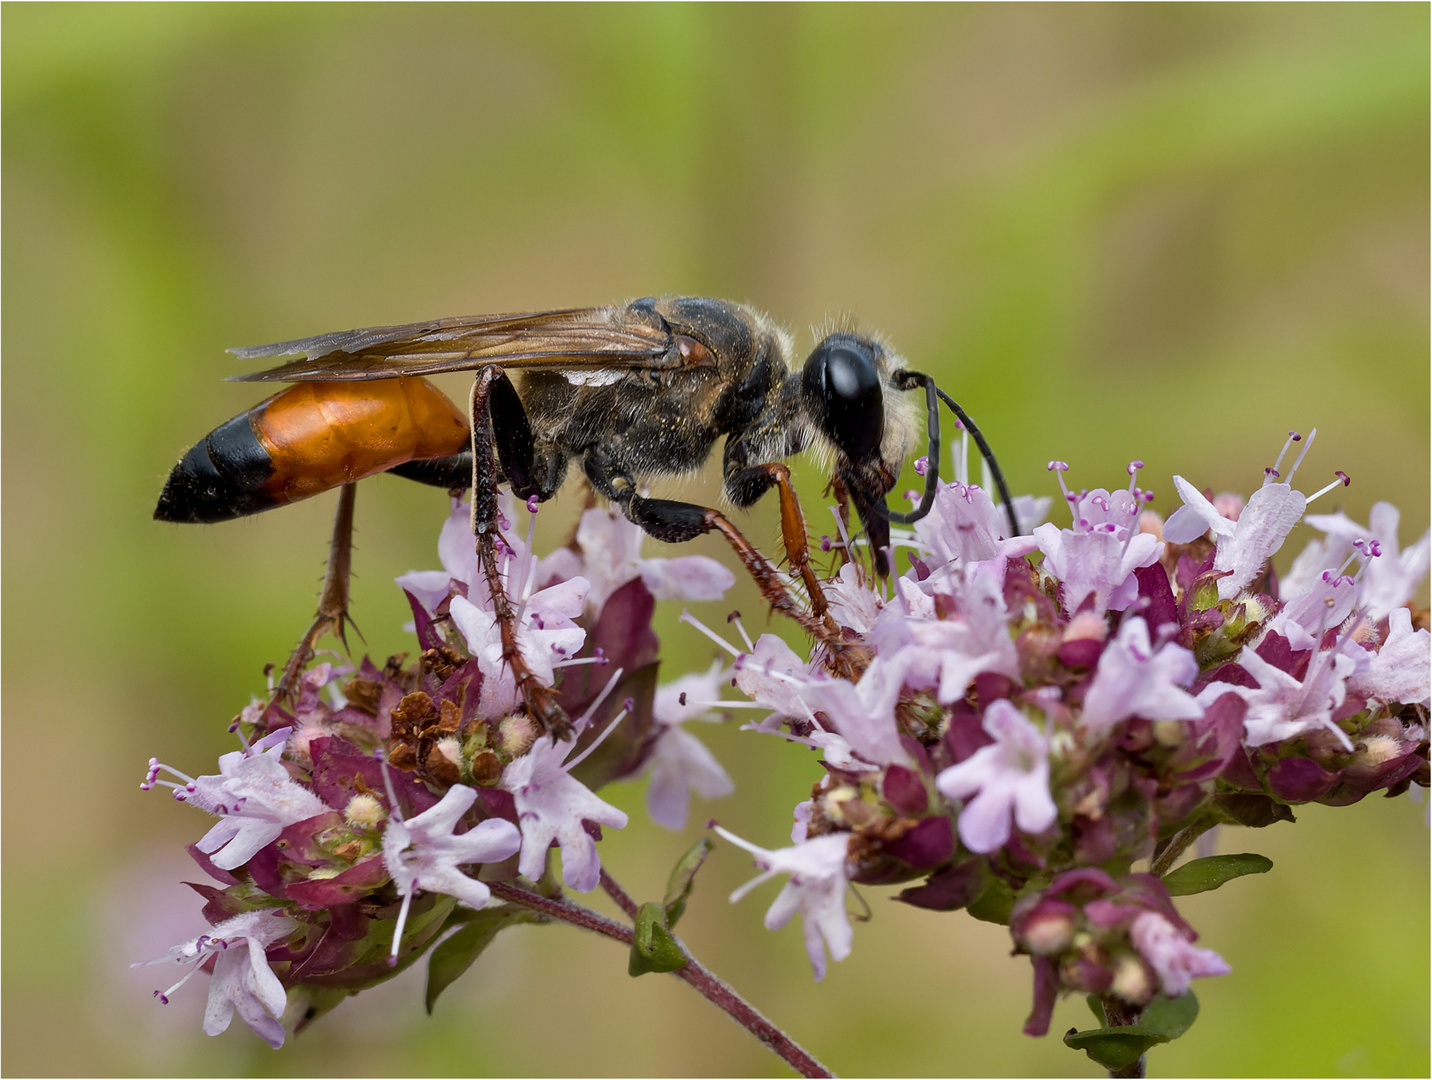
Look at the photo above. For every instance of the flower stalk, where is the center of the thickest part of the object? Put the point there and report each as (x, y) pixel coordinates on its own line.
(694, 973)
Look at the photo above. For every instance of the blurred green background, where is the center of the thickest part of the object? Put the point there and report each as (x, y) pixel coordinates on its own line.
(1169, 232)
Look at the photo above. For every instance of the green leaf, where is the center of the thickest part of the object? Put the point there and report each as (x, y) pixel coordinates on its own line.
(994, 904)
(456, 953)
(1113, 1048)
(1096, 1006)
(683, 877)
(1170, 1017)
(1202, 875)
(1163, 1020)
(653, 948)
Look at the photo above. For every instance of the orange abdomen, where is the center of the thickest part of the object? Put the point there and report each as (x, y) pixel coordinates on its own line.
(307, 439)
(322, 434)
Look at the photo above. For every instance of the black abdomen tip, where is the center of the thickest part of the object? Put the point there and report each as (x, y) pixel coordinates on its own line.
(222, 477)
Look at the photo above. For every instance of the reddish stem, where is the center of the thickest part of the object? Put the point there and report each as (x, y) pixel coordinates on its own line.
(694, 974)
(617, 893)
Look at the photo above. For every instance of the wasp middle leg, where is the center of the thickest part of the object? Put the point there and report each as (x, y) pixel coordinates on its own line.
(500, 430)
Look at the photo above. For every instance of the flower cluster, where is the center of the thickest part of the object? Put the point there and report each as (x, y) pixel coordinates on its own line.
(1018, 721)
(370, 814)
(1032, 727)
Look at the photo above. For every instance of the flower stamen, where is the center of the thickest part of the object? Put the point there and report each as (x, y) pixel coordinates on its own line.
(735, 617)
(1342, 478)
(692, 620)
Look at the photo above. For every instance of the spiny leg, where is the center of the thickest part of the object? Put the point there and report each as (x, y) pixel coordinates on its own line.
(493, 393)
(332, 615)
(795, 537)
(677, 522)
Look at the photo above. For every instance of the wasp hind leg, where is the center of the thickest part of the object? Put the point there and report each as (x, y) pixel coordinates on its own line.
(502, 445)
(332, 616)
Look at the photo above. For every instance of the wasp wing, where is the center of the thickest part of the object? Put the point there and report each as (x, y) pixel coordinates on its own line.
(574, 339)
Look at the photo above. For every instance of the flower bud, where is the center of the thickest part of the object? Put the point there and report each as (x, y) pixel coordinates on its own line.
(1131, 981)
(1229, 505)
(1086, 625)
(1048, 929)
(444, 761)
(1169, 732)
(1375, 749)
(517, 733)
(364, 812)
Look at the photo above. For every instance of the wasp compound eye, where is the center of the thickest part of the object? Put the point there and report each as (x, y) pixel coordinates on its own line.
(842, 387)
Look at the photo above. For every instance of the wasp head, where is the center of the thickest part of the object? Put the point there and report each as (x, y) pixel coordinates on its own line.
(853, 397)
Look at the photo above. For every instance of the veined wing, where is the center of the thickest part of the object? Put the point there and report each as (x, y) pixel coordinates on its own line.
(575, 339)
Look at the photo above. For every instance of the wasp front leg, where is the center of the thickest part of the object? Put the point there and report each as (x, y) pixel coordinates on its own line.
(755, 480)
(502, 445)
(332, 615)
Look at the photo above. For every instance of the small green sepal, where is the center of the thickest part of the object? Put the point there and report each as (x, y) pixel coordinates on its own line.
(683, 878)
(653, 948)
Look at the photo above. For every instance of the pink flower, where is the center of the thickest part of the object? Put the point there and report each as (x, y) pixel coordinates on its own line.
(611, 556)
(772, 675)
(863, 715)
(680, 763)
(816, 889)
(853, 603)
(423, 854)
(1171, 953)
(242, 979)
(1245, 542)
(1244, 546)
(551, 805)
(546, 635)
(965, 526)
(946, 654)
(1387, 581)
(1134, 680)
(1009, 780)
(254, 795)
(1326, 604)
(1401, 670)
(1282, 707)
(1096, 559)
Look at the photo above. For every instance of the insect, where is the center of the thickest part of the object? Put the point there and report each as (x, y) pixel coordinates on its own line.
(629, 392)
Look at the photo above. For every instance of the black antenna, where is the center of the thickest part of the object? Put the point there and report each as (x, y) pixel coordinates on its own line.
(988, 455)
(908, 380)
